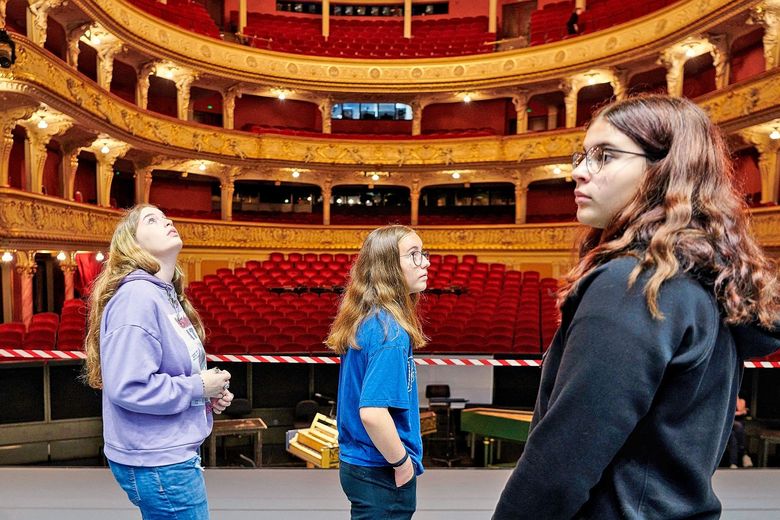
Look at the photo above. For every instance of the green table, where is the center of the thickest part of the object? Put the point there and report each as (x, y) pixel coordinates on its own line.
(494, 424)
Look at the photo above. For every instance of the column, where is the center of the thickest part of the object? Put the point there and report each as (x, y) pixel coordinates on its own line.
(37, 19)
(229, 107)
(327, 187)
(241, 16)
(407, 18)
(768, 163)
(227, 188)
(26, 267)
(768, 15)
(520, 101)
(8, 120)
(143, 184)
(721, 59)
(619, 82)
(3, 4)
(417, 109)
(105, 63)
(74, 36)
(68, 168)
(68, 269)
(7, 275)
(183, 84)
(142, 84)
(325, 19)
(521, 201)
(35, 150)
(326, 112)
(552, 117)
(570, 91)
(674, 61)
(492, 16)
(105, 172)
(414, 192)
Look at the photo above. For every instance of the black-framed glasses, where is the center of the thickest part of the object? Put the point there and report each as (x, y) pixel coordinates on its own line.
(417, 257)
(594, 157)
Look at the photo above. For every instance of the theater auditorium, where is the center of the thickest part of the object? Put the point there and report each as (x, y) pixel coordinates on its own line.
(276, 135)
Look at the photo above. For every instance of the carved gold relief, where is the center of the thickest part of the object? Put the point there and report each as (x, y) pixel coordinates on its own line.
(31, 219)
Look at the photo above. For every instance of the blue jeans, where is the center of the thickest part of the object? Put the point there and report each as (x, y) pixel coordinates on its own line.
(176, 491)
(373, 493)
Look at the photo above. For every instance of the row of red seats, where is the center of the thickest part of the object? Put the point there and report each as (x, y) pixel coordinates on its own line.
(47, 330)
(185, 13)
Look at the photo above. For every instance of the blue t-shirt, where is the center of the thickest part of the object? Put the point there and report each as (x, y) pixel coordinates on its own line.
(382, 374)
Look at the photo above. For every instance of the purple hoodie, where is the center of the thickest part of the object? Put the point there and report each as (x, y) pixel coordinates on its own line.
(154, 412)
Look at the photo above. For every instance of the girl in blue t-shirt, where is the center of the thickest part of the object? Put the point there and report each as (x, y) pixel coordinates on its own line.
(375, 332)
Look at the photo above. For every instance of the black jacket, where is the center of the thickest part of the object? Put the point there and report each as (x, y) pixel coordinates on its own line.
(633, 413)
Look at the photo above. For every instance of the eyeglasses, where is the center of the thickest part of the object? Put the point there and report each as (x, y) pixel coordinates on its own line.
(417, 257)
(594, 157)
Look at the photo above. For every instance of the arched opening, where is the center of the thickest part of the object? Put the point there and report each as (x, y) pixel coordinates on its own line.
(747, 176)
(206, 106)
(546, 112)
(51, 170)
(85, 184)
(268, 201)
(551, 200)
(56, 39)
(185, 195)
(162, 97)
(270, 115)
(747, 56)
(123, 81)
(16, 161)
(363, 205)
(590, 99)
(649, 81)
(472, 203)
(123, 185)
(87, 62)
(699, 76)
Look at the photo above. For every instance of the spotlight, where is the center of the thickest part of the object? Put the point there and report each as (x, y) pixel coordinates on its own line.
(99, 256)
(467, 98)
(286, 201)
(282, 96)
(296, 174)
(105, 149)
(7, 50)
(202, 166)
(308, 198)
(42, 124)
(7, 257)
(557, 171)
(456, 175)
(61, 256)
(774, 134)
(375, 177)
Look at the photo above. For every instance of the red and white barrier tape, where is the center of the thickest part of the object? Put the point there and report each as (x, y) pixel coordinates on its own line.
(56, 355)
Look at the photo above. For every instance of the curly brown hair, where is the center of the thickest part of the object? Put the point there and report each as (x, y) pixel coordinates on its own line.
(687, 216)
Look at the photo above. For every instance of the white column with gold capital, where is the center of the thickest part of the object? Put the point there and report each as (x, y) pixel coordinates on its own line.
(414, 193)
(327, 187)
(521, 202)
(106, 154)
(40, 128)
(183, 93)
(143, 184)
(26, 268)
(38, 17)
(768, 163)
(227, 187)
(9, 118)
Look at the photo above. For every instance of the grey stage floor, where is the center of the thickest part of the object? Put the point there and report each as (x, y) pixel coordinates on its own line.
(293, 494)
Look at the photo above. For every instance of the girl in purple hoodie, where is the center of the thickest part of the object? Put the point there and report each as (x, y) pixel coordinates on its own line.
(145, 352)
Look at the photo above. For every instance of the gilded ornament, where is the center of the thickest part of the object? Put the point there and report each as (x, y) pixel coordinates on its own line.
(559, 56)
(508, 66)
(374, 72)
(292, 68)
(205, 51)
(417, 72)
(611, 43)
(251, 61)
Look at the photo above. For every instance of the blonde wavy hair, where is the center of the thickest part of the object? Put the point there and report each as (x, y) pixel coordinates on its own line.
(376, 282)
(124, 257)
(687, 215)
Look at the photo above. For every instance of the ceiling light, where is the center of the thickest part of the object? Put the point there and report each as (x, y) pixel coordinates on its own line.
(100, 256)
(467, 98)
(61, 256)
(42, 124)
(169, 73)
(202, 166)
(105, 149)
(456, 175)
(557, 171)
(774, 134)
(308, 198)
(375, 177)
(7, 256)
(96, 40)
(286, 201)
(296, 174)
(690, 52)
(282, 96)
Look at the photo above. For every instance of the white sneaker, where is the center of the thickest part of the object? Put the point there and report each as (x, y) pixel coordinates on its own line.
(747, 462)
(733, 466)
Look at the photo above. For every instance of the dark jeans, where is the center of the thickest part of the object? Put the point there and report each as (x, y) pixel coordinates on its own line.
(174, 492)
(736, 446)
(373, 493)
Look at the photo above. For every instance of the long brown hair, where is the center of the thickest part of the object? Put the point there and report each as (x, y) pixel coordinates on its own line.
(125, 256)
(687, 215)
(376, 282)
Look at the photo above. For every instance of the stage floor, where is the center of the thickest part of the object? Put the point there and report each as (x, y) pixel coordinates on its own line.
(297, 494)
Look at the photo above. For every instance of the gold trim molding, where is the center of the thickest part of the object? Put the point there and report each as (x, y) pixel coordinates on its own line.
(614, 46)
(29, 221)
(41, 78)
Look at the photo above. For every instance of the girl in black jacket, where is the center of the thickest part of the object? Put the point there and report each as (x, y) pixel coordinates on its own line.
(670, 295)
